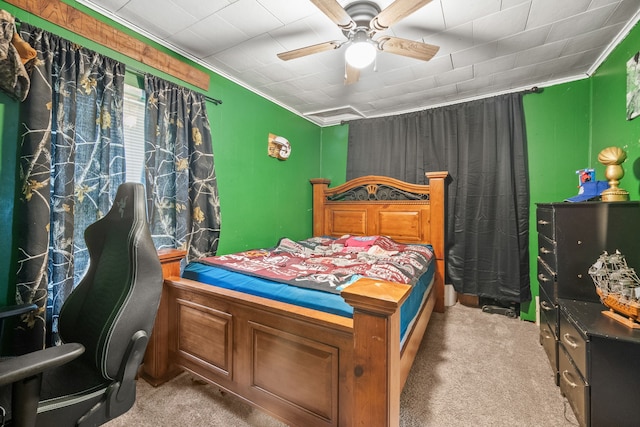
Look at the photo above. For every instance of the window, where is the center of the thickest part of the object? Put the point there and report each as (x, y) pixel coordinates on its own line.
(134, 110)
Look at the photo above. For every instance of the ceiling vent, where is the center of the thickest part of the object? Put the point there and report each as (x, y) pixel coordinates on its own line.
(335, 115)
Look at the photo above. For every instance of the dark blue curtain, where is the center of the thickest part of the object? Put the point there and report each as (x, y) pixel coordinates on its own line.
(482, 144)
(71, 164)
(180, 179)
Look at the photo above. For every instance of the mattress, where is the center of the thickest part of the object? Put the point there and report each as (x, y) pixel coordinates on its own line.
(306, 297)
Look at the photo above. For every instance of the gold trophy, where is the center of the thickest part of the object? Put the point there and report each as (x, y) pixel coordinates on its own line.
(612, 158)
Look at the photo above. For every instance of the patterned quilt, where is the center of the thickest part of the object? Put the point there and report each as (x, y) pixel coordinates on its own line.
(329, 264)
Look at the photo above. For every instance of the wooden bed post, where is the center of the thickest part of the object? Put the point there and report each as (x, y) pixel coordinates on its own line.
(156, 368)
(376, 357)
(437, 197)
(320, 185)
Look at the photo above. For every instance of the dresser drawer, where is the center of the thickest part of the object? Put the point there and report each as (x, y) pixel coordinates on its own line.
(550, 345)
(545, 223)
(549, 330)
(574, 343)
(547, 280)
(547, 252)
(548, 312)
(573, 387)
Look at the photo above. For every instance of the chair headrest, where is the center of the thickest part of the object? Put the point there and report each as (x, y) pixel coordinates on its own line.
(129, 202)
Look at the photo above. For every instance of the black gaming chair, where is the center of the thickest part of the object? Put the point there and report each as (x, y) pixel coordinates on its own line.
(106, 322)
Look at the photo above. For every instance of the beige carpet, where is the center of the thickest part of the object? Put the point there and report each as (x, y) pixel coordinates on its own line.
(473, 369)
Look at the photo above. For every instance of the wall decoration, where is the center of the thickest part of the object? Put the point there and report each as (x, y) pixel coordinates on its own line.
(279, 147)
(633, 86)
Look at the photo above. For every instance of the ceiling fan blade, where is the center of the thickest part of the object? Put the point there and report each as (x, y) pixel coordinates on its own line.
(396, 11)
(336, 13)
(351, 75)
(309, 50)
(410, 48)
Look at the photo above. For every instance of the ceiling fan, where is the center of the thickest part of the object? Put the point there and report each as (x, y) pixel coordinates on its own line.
(359, 22)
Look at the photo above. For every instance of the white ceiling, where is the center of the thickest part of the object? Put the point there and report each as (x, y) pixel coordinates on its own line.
(486, 47)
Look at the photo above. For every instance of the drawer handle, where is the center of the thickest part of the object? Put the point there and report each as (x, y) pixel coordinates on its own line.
(544, 250)
(542, 278)
(570, 340)
(566, 375)
(543, 222)
(546, 306)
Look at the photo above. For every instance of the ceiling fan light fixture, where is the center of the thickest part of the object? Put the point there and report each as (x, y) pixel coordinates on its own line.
(360, 54)
(360, 21)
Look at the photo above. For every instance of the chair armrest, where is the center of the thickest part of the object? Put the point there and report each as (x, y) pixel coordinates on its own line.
(17, 368)
(14, 310)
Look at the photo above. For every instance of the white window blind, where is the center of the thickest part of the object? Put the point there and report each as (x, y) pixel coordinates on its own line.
(134, 100)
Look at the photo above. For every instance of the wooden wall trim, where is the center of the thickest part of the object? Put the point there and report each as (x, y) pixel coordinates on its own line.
(95, 30)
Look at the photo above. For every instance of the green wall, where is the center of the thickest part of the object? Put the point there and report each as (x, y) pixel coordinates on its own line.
(8, 146)
(557, 122)
(334, 153)
(568, 125)
(261, 198)
(609, 124)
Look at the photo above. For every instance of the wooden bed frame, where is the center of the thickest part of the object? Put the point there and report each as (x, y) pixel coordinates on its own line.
(302, 366)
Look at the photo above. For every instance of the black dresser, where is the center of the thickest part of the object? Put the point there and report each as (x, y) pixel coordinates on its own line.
(571, 237)
(599, 365)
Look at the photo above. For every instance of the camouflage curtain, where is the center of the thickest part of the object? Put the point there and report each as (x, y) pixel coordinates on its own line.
(71, 164)
(182, 193)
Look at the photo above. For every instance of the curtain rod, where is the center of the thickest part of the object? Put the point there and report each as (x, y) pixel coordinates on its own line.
(534, 89)
(142, 73)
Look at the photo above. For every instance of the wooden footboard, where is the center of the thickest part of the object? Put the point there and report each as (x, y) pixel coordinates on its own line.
(292, 363)
(305, 367)
(302, 366)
